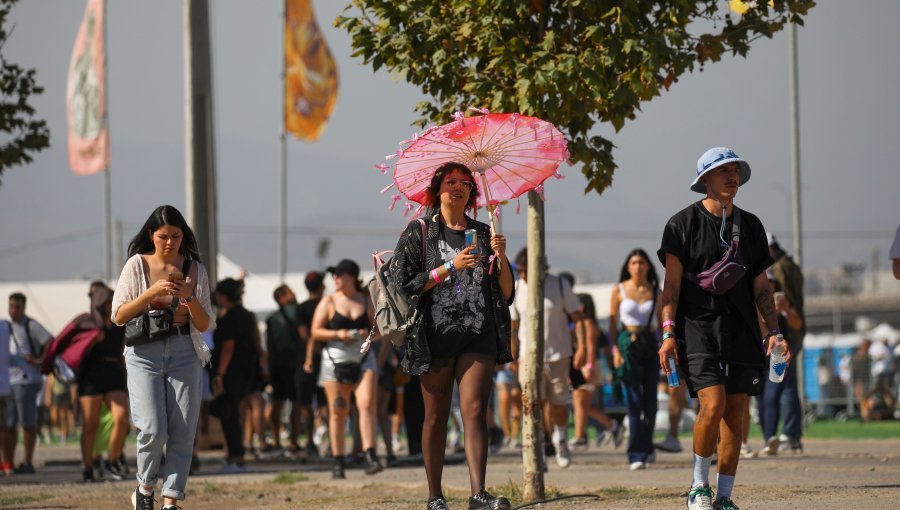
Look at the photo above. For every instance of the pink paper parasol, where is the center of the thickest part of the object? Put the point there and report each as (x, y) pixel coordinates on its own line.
(512, 153)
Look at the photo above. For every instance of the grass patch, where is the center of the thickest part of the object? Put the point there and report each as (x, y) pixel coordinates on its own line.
(209, 488)
(833, 429)
(618, 491)
(287, 478)
(7, 501)
(513, 491)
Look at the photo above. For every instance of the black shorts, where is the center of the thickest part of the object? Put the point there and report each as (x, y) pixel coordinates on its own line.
(576, 377)
(449, 347)
(100, 378)
(737, 379)
(284, 386)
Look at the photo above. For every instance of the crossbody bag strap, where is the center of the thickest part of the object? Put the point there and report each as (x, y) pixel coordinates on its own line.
(736, 225)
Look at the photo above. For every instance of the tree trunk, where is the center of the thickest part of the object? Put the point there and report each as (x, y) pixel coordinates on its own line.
(532, 362)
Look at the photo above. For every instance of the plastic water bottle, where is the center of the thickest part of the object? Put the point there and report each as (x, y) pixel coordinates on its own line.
(777, 363)
(672, 376)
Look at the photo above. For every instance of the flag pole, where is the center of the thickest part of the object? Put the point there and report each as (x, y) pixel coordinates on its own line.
(107, 195)
(282, 171)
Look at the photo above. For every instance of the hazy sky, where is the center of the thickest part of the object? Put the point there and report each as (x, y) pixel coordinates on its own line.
(52, 219)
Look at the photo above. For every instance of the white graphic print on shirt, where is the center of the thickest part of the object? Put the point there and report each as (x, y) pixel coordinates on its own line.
(453, 312)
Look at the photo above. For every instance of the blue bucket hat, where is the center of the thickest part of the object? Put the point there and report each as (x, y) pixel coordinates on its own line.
(714, 158)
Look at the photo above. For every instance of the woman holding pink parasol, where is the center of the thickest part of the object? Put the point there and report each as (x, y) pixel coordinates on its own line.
(463, 292)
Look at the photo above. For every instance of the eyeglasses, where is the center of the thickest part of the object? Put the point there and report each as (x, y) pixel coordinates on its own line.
(456, 182)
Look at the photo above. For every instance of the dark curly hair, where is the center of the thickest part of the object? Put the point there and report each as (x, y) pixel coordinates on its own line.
(433, 191)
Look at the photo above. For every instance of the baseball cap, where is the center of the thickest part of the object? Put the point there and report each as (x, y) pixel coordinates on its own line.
(345, 266)
(714, 158)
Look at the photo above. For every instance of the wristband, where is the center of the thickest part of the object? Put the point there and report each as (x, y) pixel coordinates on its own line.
(666, 324)
(588, 366)
(184, 302)
(435, 276)
(667, 335)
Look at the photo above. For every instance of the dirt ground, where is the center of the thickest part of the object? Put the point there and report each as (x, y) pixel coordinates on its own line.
(829, 475)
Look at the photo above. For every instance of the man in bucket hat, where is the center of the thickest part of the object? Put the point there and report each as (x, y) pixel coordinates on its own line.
(710, 325)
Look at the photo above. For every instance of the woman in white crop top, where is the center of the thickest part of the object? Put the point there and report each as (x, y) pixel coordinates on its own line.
(635, 351)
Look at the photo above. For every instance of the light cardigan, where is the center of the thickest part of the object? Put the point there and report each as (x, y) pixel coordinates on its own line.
(132, 284)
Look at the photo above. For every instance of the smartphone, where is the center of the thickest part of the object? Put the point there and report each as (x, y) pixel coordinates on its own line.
(176, 276)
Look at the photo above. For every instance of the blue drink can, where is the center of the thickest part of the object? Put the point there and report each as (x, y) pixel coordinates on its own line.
(672, 376)
(472, 239)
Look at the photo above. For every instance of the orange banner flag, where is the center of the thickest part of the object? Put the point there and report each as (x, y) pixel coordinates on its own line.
(310, 73)
(86, 94)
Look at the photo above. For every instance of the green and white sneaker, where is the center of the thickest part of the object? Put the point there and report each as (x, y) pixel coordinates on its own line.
(700, 498)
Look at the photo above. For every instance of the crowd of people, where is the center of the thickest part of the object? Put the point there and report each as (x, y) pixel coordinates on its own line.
(319, 371)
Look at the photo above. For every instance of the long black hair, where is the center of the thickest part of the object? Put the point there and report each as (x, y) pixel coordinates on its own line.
(165, 215)
(651, 273)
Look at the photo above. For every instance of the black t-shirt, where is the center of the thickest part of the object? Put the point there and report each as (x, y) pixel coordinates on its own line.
(723, 327)
(304, 317)
(283, 341)
(237, 325)
(466, 315)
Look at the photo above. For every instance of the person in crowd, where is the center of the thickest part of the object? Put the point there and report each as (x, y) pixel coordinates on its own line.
(861, 377)
(236, 364)
(386, 388)
(561, 306)
(675, 407)
(895, 254)
(164, 276)
(342, 321)
(463, 292)
(58, 400)
(286, 351)
(509, 403)
(882, 374)
(311, 397)
(631, 314)
(786, 393)
(29, 338)
(6, 402)
(710, 323)
(584, 376)
(102, 380)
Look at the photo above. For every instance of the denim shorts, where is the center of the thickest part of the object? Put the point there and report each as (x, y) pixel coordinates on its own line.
(23, 408)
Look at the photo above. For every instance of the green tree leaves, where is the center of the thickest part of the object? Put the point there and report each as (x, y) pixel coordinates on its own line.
(23, 134)
(571, 62)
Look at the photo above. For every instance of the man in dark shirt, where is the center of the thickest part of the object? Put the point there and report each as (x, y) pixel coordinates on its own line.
(286, 351)
(307, 379)
(715, 338)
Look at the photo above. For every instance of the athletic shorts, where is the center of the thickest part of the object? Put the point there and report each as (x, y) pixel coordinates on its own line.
(737, 379)
(283, 380)
(101, 378)
(554, 382)
(308, 386)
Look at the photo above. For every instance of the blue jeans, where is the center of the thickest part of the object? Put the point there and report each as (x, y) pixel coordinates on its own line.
(642, 407)
(776, 396)
(23, 411)
(164, 391)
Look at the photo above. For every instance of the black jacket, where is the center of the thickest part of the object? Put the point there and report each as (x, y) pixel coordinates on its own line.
(407, 263)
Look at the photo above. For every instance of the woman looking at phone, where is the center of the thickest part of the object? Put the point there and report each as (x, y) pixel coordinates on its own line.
(163, 275)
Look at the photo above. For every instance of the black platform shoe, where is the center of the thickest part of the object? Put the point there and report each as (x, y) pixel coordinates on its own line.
(337, 470)
(372, 464)
(437, 504)
(485, 501)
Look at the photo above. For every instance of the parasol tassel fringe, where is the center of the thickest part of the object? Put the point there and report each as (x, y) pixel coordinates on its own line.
(540, 191)
(518, 206)
(389, 186)
(383, 168)
(483, 111)
(418, 212)
(394, 200)
(407, 209)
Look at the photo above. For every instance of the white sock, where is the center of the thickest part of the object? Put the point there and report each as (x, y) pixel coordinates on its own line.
(701, 470)
(144, 491)
(559, 434)
(724, 486)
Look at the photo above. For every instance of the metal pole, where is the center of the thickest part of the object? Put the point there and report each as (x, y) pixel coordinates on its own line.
(200, 181)
(107, 200)
(282, 172)
(795, 143)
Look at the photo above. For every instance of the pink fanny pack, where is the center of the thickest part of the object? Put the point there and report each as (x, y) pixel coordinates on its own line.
(724, 274)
